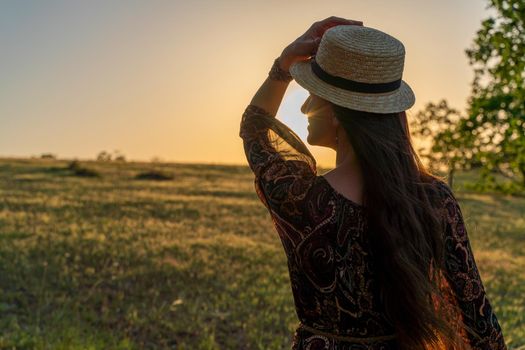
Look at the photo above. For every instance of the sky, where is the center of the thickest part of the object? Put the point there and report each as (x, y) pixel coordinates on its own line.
(170, 79)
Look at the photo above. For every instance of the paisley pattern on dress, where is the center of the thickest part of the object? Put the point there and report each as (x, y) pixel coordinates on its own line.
(323, 233)
(464, 279)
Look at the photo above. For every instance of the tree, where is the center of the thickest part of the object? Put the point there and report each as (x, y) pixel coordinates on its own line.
(48, 156)
(119, 156)
(494, 128)
(437, 123)
(103, 156)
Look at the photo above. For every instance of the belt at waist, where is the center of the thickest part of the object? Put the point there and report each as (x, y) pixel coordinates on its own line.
(348, 338)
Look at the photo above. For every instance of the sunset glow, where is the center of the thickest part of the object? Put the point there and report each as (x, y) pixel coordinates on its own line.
(171, 79)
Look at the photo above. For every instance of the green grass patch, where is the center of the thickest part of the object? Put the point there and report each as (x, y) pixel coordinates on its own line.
(115, 262)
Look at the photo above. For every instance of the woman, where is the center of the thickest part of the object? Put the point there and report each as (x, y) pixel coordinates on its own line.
(377, 250)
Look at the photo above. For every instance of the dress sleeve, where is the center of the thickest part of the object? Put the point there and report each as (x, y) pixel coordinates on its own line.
(464, 279)
(283, 166)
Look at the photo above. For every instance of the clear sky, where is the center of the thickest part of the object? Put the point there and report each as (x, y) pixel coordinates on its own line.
(171, 79)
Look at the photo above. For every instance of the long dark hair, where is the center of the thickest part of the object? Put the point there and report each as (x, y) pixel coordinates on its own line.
(405, 229)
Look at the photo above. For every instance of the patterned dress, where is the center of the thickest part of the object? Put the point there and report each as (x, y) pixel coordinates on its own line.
(336, 297)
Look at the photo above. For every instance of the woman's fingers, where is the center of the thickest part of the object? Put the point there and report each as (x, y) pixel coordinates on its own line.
(333, 20)
(332, 23)
(342, 20)
(318, 28)
(308, 43)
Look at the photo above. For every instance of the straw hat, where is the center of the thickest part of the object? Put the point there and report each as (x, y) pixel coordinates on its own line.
(359, 68)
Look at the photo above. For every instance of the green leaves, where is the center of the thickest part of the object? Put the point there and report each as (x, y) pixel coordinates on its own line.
(492, 133)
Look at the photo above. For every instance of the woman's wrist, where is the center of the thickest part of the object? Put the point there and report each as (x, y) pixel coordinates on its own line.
(284, 64)
(279, 70)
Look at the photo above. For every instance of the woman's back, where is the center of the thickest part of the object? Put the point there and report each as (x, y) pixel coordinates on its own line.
(346, 185)
(333, 278)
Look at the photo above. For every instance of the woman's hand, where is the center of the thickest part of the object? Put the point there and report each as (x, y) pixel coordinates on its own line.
(306, 45)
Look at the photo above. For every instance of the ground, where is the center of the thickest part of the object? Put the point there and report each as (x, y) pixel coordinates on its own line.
(115, 262)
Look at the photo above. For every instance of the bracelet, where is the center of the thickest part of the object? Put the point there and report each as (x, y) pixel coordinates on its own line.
(276, 73)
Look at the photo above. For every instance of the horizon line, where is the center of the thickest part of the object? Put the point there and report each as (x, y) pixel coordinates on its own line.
(130, 160)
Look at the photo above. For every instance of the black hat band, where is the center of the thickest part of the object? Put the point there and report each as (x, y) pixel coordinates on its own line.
(353, 85)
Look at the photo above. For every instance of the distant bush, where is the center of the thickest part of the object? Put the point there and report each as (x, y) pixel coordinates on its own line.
(104, 156)
(80, 170)
(48, 156)
(117, 156)
(154, 175)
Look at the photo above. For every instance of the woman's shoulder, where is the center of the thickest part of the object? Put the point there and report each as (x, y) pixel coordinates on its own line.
(443, 188)
(443, 195)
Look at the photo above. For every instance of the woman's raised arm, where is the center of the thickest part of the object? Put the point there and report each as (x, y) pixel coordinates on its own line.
(269, 96)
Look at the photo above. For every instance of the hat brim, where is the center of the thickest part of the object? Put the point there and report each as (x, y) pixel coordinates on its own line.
(388, 102)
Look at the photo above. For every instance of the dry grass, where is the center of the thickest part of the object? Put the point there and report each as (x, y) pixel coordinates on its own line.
(189, 263)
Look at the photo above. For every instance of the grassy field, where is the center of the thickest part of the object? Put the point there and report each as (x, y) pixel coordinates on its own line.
(189, 263)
